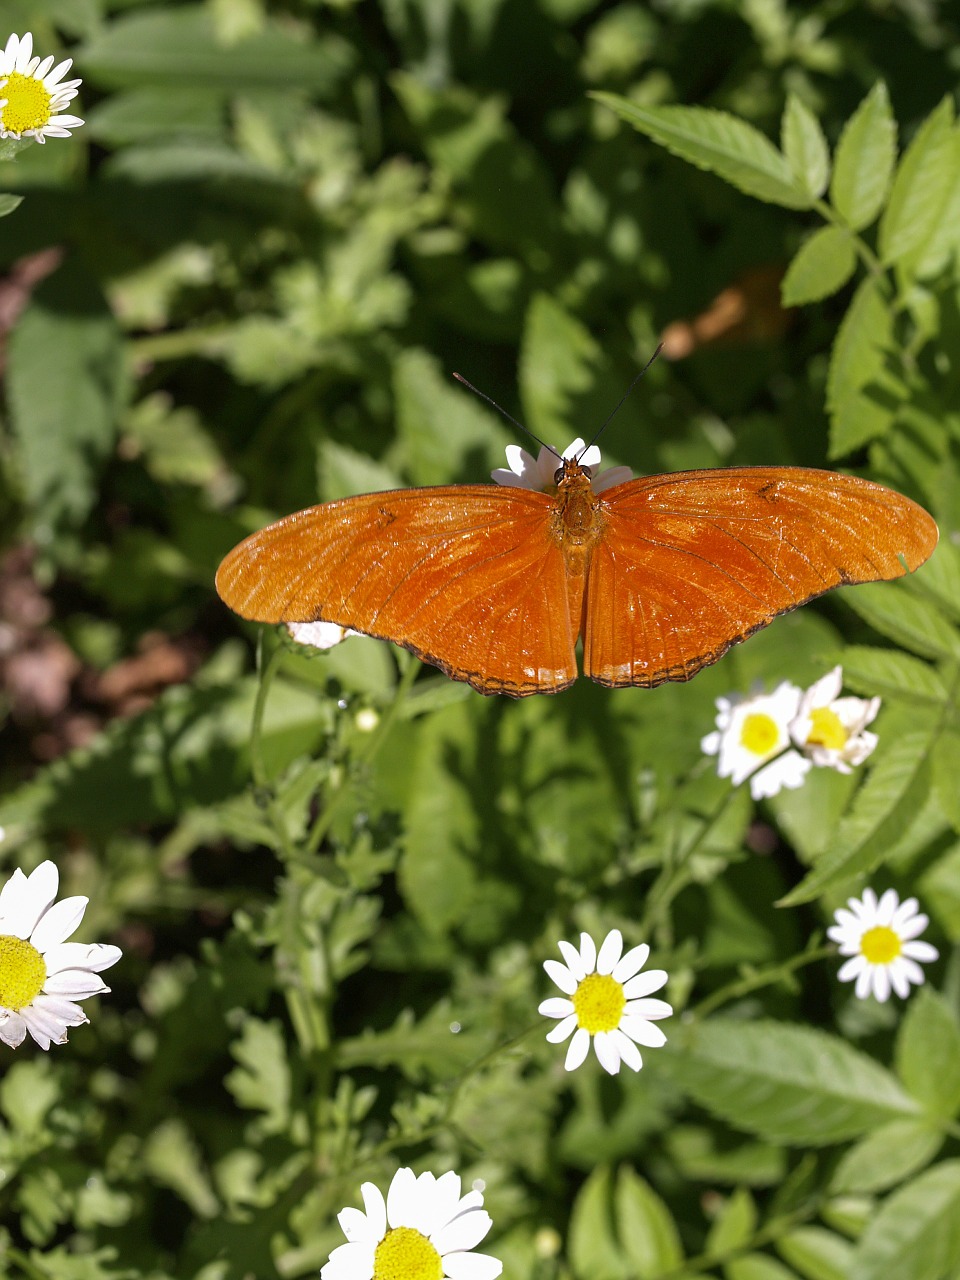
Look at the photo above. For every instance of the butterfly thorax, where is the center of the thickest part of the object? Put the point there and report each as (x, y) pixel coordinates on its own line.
(577, 521)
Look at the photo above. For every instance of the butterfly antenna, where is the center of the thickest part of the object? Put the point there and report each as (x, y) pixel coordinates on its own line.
(623, 398)
(509, 416)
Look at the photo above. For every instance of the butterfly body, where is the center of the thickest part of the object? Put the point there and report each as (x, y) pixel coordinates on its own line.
(658, 576)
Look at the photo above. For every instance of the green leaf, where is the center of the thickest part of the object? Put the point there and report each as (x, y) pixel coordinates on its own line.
(180, 46)
(859, 410)
(172, 1158)
(816, 1253)
(946, 771)
(864, 160)
(916, 1233)
(909, 620)
(593, 1250)
(8, 203)
(928, 1054)
(939, 886)
(261, 1080)
(558, 359)
(924, 178)
(883, 810)
(734, 1225)
(65, 384)
(757, 1266)
(805, 147)
(651, 1241)
(886, 673)
(786, 1083)
(887, 1156)
(719, 143)
(823, 264)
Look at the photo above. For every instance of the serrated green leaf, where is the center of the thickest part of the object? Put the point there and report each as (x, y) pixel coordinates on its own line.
(928, 1054)
(805, 147)
(559, 358)
(816, 1253)
(734, 1226)
(719, 143)
(907, 619)
(941, 577)
(916, 1233)
(943, 242)
(864, 160)
(887, 673)
(8, 203)
(883, 810)
(261, 1080)
(939, 888)
(887, 1156)
(172, 1158)
(822, 265)
(858, 412)
(649, 1235)
(65, 383)
(787, 1083)
(923, 181)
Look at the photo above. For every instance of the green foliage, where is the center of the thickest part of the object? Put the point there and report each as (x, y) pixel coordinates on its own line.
(242, 288)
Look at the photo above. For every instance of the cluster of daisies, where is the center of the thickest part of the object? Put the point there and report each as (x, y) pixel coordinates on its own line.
(33, 93)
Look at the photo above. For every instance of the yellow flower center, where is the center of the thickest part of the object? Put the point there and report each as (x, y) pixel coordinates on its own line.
(598, 1003)
(28, 103)
(880, 945)
(405, 1254)
(826, 729)
(22, 972)
(760, 733)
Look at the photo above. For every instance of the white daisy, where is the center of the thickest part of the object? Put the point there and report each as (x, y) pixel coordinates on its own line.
(424, 1231)
(880, 939)
(832, 730)
(606, 998)
(752, 731)
(33, 94)
(527, 472)
(41, 974)
(319, 635)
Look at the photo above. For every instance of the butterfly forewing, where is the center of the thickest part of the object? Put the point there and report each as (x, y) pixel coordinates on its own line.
(690, 563)
(469, 577)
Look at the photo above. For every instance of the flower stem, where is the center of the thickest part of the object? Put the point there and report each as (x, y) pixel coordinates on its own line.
(760, 978)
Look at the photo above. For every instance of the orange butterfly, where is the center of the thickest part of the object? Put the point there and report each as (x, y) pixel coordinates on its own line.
(494, 584)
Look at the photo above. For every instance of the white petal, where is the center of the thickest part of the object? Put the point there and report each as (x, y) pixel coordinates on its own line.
(562, 1030)
(95, 956)
(629, 965)
(79, 984)
(588, 953)
(447, 1202)
(13, 1029)
(881, 982)
(572, 958)
(36, 896)
(628, 1051)
(471, 1266)
(57, 924)
(349, 1262)
(464, 1232)
(353, 1224)
(58, 72)
(853, 969)
(897, 973)
(376, 1209)
(887, 907)
(645, 983)
(921, 951)
(610, 952)
(402, 1199)
(605, 1047)
(561, 975)
(650, 1010)
(555, 1007)
(643, 1032)
(578, 1049)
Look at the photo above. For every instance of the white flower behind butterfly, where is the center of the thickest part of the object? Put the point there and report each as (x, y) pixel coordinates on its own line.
(525, 471)
(34, 93)
(423, 1231)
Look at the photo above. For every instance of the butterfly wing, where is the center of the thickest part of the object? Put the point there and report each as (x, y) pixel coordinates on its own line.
(689, 564)
(468, 577)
